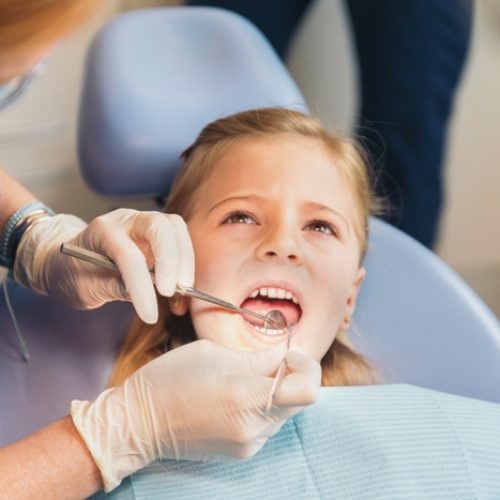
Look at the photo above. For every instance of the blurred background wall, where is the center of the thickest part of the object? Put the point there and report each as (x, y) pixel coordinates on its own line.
(37, 135)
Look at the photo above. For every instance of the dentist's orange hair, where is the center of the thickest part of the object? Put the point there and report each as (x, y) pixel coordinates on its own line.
(27, 23)
(341, 365)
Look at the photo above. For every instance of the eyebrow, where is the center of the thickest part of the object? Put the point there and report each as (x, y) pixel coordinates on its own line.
(308, 205)
(250, 197)
(324, 208)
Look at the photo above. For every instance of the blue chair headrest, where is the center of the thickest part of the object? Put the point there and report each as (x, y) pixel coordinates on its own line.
(155, 77)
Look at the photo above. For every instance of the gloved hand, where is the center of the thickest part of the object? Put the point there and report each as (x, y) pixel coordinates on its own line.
(134, 240)
(200, 401)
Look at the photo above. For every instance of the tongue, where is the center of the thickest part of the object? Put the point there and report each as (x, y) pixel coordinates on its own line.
(290, 310)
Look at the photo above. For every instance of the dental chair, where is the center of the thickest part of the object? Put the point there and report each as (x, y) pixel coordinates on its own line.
(154, 78)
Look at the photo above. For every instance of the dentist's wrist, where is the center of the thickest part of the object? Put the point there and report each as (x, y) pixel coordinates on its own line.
(32, 267)
(16, 226)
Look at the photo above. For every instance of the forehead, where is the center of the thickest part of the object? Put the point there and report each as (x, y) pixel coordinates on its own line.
(279, 166)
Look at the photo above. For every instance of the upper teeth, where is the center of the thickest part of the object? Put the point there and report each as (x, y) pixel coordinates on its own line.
(275, 293)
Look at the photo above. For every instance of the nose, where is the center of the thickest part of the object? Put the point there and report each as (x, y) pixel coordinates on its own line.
(280, 244)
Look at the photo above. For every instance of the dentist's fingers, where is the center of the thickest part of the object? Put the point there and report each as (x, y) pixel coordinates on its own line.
(161, 235)
(300, 386)
(185, 275)
(171, 248)
(133, 238)
(137, 284)
(264, 363)
(124, 236)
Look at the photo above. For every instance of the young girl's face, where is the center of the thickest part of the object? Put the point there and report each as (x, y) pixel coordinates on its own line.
(273, 228)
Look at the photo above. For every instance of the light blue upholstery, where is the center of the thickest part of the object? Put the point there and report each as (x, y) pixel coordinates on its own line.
(155, 77)
(421, 323)
(71, 354)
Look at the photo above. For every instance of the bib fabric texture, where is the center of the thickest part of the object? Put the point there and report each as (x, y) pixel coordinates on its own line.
(377, 442)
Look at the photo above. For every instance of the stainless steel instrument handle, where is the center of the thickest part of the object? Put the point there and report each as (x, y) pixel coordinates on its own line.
(106, 262)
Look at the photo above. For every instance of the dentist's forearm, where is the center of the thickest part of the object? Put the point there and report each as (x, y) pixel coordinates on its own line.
(51, 463)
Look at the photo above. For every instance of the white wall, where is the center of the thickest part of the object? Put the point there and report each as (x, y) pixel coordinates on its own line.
(471, 228)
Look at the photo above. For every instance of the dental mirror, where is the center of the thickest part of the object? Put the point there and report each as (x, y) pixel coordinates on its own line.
(275, 319)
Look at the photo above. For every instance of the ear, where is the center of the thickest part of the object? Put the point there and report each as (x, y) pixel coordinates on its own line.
(178, 304)
(351, 300)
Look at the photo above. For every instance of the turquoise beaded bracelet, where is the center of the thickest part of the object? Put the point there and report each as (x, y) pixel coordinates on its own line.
(15, 228)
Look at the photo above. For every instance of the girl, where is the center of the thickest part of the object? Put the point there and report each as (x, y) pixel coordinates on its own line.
(277, 209)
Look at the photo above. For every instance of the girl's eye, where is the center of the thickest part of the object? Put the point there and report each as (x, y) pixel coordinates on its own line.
(322, 227)
(239, 218)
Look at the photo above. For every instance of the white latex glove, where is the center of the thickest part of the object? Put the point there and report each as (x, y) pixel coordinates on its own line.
(135, 241)
(198, 402)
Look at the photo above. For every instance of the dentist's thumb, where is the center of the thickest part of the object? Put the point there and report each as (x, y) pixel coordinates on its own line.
(302, 382)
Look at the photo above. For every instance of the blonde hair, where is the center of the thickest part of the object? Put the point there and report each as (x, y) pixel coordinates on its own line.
(27, 23)
(341, 364)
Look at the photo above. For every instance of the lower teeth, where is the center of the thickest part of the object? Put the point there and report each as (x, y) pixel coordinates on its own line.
(269, 331)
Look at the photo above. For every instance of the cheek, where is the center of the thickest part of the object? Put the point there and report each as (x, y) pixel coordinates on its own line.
(204, 321)
(333, 287)
(205, 265)
(216, 270)
(208, 278)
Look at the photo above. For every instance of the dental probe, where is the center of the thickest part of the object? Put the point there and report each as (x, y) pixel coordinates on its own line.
(273, 318)
(280, 374)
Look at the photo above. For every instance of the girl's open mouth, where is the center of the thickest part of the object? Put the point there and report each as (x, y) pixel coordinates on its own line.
(265, 299)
